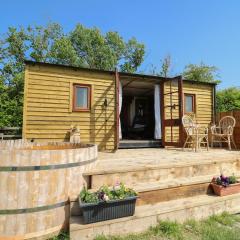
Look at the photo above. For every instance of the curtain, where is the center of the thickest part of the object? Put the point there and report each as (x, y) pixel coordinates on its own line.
(157, 132)
(132, 111)
(120, 109)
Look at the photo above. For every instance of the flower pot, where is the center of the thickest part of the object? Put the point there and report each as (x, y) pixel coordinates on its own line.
(102, 211)
(223, 191)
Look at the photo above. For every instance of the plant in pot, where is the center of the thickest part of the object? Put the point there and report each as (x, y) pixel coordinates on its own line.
(107, 203)
(224, 185)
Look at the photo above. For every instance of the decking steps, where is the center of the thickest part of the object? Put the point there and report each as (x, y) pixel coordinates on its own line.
(109, 167)
(159, 191)
(148, 215)
(173, 183)
(155, 192)
(157, 172)
(136, 160)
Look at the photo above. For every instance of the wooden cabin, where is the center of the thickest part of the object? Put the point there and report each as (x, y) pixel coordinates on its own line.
(112, 109)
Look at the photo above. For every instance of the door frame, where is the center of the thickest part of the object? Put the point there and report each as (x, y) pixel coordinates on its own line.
(172, 122)
(117, 113)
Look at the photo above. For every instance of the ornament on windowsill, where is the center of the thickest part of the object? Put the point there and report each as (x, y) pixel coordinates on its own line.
(74, 134)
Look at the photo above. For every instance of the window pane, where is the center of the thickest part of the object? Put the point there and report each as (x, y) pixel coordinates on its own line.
(188, 103)
(82, 97)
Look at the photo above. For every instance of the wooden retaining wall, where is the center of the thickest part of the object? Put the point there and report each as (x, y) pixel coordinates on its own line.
(36, 183)
(236, 115)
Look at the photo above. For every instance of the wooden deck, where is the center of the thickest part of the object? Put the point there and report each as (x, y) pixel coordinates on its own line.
(135, 159)
(160, 170)
(171, 184)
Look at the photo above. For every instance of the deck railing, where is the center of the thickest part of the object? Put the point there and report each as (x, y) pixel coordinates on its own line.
(10, 133)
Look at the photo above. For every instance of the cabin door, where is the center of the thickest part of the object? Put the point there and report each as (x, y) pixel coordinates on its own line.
(172, 112)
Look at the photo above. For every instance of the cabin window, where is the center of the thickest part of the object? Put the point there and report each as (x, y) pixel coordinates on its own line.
(81, 97)
(189, 106)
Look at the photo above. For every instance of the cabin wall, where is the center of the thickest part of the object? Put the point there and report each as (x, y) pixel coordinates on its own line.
(204, 101)
(48, 98)
(204, 106)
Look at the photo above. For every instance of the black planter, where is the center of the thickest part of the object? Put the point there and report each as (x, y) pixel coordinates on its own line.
(102, 211)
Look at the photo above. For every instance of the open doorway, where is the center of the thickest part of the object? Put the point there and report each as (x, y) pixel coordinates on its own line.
(138, 114)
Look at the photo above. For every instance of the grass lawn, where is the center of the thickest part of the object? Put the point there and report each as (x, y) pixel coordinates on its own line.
(220, 227)
(62, 236)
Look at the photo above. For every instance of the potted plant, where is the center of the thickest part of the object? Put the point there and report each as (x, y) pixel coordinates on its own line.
(107, 203)
(223, 185)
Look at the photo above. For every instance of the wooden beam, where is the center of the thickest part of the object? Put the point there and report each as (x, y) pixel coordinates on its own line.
(129, 83)
(172, 122)
(117, 109)
(143, 88)
(168, 194)
(162, 109)
(150, 90)
(180, 99)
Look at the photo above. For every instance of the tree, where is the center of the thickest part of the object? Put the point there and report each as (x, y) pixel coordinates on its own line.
(12, 50)
(132, 56)
(63, 52)
(82, 47)
(201, 73)
(166, 64)
(228, 99)
(106, 51)
(41, 40)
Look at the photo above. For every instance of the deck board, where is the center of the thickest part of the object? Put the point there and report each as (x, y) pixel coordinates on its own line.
(138, 159)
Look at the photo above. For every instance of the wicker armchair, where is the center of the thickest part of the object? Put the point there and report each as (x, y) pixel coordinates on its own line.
(224, 131)
(196, 135)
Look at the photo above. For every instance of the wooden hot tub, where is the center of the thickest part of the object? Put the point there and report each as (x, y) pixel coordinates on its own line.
(36, 183)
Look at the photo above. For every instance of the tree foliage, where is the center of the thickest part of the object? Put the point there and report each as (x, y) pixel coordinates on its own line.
(166, 66)
(165, 69)
(228, 99)
(83, 47)
(201, 73)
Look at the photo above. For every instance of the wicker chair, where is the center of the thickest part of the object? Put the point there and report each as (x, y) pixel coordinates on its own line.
(224, 131)
(196, 135)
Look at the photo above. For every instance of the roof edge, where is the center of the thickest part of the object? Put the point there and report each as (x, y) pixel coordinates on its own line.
(31, 62)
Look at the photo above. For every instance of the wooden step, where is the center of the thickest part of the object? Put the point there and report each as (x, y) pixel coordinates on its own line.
(125, 144)
(160, 172)
(197, 207)
(154, 192)
(131, 160)
(173, 183)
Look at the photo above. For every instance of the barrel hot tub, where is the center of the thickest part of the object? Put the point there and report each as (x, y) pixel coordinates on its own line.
(36, 183)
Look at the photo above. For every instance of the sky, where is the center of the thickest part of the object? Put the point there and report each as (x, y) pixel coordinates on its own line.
(191, 31)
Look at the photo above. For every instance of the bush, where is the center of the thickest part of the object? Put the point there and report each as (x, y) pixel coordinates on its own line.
(228, 99)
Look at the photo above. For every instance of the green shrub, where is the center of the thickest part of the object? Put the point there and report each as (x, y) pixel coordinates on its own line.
(232, 179)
